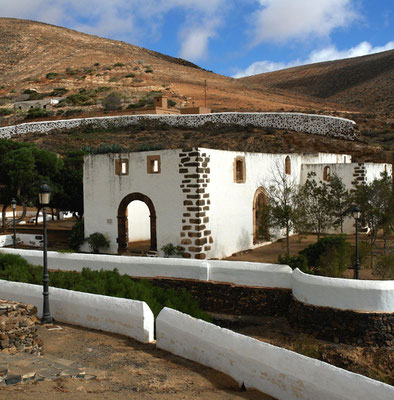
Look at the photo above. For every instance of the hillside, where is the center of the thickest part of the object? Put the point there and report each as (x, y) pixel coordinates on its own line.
(365, 83)
(44, 57)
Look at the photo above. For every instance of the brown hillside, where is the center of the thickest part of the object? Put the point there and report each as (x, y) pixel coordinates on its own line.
(362, 82)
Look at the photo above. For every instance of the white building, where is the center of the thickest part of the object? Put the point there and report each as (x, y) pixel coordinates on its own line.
(201, 199)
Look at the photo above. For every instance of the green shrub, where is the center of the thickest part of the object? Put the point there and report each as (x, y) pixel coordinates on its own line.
(5, 111)
(299, 261)
(333, 262)
(73, 111)
(37, 112)
(108, 283)
(58, 91)
(77, 237)
(119, 64)
(71, 72)
(385, 267)
(78, 99)
(171, 250)
(364, 252)
(131, 75)
(97, 241)
(171, 103)
(149, 147)
(112, 102)
(149, 70)
(51, 75)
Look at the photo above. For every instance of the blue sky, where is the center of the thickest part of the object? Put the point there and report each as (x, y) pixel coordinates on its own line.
(230, 37)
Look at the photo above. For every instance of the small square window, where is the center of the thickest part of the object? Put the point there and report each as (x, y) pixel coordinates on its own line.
(153, 164)
(122, 166)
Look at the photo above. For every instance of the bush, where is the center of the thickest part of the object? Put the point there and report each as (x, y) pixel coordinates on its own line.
(112, 102)
(97, 241)
(77, 237)
(119, 64)
(5, 111)
(171, 250)
(364, 252)
(324, 244)
(131, 75)
(37, 112)
(385, 267)
(51, 75)
(78, 99)
(333, 263)
(298, 261)
(108, 283)
(171, 103)
(58, 91)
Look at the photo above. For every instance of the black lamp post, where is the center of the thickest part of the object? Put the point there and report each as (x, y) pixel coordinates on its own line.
(356, 215)
(44, 197)
(13, 206)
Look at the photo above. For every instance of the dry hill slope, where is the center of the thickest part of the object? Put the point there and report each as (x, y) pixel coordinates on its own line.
(361, 82)
(30, 50)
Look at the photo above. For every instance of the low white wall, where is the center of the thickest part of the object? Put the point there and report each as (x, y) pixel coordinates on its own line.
(133, 266)
(343, 294)
(272, 370)
(25, 238)
(250, 274)
(240, 273)
(131, 318)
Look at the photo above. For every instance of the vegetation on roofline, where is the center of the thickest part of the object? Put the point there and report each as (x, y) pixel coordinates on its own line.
(108, 283)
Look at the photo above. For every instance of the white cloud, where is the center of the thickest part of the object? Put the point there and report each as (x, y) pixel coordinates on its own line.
(325, 54)
(282, 20)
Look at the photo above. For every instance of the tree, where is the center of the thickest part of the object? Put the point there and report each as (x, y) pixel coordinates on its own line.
(376, 200)
(338, 201)
(314, 207)
(23, 168)
(283, 201)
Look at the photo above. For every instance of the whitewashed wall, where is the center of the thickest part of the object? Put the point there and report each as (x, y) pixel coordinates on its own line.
(231, 209)
(24, 238)
(272, 370)
(103, 192)
(131, 318)
(308, 123)
(343, 294)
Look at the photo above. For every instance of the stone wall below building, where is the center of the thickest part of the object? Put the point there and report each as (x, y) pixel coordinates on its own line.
(233, 299)
(343, 326)
(18, 331)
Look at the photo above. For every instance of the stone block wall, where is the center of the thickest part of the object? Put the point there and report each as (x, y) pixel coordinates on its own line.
(18, 331)
(343, 326)
(308, 123)
(227, 298)
(195, 238)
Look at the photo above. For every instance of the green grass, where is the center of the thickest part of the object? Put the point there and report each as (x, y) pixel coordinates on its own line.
(108, 283)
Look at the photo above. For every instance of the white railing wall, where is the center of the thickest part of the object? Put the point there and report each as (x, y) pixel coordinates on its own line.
(278, 372)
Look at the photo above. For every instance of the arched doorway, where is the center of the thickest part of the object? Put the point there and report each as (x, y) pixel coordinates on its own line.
(260, 216)
(123, 236)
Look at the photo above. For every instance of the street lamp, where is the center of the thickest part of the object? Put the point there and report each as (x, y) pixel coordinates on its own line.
(13, 206)
(356, 215)
(44, 198)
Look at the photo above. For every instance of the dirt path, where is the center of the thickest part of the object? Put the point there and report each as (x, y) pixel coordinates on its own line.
(133, 370)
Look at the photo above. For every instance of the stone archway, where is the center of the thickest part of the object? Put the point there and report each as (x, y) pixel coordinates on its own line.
(260, 206)
(122, 221)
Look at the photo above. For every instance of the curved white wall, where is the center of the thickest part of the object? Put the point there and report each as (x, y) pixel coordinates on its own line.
(309, 123)
(278, 372)
(131, 318)
(344, 294)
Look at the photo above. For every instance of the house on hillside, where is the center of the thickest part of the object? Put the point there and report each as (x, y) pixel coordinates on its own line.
(204, 200)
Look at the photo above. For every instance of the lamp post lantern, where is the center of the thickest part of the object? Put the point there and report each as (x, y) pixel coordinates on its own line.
(13, 206)
(44, 198)
(356, 215)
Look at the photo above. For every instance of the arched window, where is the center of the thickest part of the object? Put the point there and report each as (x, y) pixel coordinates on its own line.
(239, 170)
(287, 166)
(326, 173)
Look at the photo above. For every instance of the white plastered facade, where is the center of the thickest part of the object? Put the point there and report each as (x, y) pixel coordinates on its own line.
(198, 202)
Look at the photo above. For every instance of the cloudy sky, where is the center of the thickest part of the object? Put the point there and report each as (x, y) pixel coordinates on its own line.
(230, 37)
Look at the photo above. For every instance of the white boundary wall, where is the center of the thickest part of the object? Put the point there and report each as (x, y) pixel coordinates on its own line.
(343, 294)
(25, 238)
(309, 123)
(131, 318)
(278, 372)
(240, 273)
